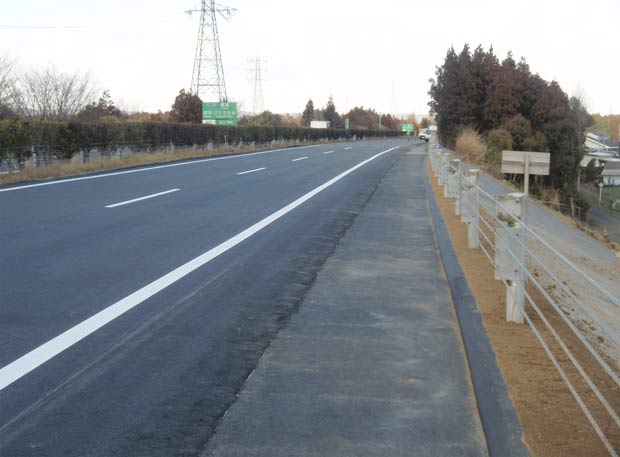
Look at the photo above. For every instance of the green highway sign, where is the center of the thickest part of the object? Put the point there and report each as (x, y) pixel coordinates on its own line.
(219, 111)
(407, 128)
(347, 124)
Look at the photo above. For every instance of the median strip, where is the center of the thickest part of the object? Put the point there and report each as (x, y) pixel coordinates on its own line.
(142, 198)
(37, 357)
(252, 171)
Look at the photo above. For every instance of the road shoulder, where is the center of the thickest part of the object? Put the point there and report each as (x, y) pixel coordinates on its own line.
(372, 363)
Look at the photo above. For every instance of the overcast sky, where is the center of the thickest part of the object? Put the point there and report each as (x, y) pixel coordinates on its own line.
(378, 54)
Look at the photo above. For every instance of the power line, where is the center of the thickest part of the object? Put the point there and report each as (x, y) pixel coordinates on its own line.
(31, 27)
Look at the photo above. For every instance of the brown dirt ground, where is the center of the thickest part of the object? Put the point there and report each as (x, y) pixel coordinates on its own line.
(552, 421)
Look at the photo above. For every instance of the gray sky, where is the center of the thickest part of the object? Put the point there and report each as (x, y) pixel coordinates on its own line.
(378, 54)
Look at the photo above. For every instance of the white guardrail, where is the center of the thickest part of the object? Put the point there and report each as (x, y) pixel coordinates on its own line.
(527, 265)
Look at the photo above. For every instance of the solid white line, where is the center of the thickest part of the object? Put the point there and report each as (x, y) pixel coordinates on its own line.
(28, 362)
(142, 198)
(300, 158)
(328, 152)
(157, 167)
(252, 171)
(350, 147)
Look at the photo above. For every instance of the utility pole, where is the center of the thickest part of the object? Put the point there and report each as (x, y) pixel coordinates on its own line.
(208, 73)
(258, 101)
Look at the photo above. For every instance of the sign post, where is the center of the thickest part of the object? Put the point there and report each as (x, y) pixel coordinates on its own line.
(219, 113)
(522, 163)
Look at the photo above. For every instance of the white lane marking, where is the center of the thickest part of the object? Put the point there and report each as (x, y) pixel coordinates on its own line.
(146, 197)
(157, 167)
(252, 171)
(299, 158)
(33, 359)
(349, 147)
(328, 152)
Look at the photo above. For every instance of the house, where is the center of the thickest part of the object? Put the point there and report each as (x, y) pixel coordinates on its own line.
(611, 173)
(600, 142)
(598, 157)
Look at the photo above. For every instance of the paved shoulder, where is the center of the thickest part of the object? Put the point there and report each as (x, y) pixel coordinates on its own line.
(372, 364)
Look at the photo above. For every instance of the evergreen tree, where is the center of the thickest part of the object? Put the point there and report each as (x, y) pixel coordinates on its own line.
(453, 95)
(330, 114)
(308, 114)
(503, 95)
(187, 107)
(105, 107)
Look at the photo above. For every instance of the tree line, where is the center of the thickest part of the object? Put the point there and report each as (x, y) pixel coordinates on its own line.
(359, 117)
(513, 108)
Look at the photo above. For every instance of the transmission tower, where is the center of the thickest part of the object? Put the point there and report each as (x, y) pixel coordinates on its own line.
(258, 101)
(208, 73)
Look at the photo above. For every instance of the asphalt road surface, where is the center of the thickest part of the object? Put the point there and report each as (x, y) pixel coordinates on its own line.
(135, 304)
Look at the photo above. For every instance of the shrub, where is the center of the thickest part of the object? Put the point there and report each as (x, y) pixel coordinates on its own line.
(470, 146)
(108, 133)
(497, 140)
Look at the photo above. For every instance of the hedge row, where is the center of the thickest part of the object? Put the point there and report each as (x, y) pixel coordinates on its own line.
(71, 137)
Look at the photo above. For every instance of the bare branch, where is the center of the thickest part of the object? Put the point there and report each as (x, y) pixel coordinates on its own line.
(7, 85)
(51, 95)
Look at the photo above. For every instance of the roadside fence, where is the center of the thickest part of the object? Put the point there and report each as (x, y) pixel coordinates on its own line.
(15, 159)
(557, 299)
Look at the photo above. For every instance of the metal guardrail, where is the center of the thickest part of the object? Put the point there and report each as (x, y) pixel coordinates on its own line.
(522, 261)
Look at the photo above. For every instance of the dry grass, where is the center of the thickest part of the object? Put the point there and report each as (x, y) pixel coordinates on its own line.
(471, 147)
(549, 195)
(127, 161)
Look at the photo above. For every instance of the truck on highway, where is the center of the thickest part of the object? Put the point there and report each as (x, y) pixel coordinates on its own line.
(424, 134)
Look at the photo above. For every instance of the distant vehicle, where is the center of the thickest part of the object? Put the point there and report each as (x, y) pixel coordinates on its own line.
(319, 124)
(425, 134)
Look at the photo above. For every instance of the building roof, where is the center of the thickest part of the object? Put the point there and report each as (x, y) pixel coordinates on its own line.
(612, 172)
(600, 155)
(600, 141)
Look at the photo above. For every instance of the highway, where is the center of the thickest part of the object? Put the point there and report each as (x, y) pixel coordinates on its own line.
(134, 304)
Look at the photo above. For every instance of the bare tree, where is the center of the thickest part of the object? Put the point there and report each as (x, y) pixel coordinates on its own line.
(51, 95)
(7, 85)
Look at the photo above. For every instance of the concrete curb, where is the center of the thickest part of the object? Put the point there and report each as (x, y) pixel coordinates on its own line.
(502, 429)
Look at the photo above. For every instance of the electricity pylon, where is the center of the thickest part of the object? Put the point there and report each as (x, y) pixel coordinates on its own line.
(258, 101)
(208, 73)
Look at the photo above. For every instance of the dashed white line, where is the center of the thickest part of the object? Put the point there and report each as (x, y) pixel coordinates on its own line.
(349, 147)
(142, 198)
(328, 152)
(37, 357)
(252, 171)
(299, 158)
(156, 167)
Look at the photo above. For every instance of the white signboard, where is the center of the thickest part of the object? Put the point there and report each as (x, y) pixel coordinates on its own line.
(522, 162)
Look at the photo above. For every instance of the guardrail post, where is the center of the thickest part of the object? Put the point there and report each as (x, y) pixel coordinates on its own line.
(443, 168)
(453, 185)
(435, 156)
(470, 207)
(509, 262)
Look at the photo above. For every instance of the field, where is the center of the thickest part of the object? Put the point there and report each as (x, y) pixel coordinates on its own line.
(613, 192)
